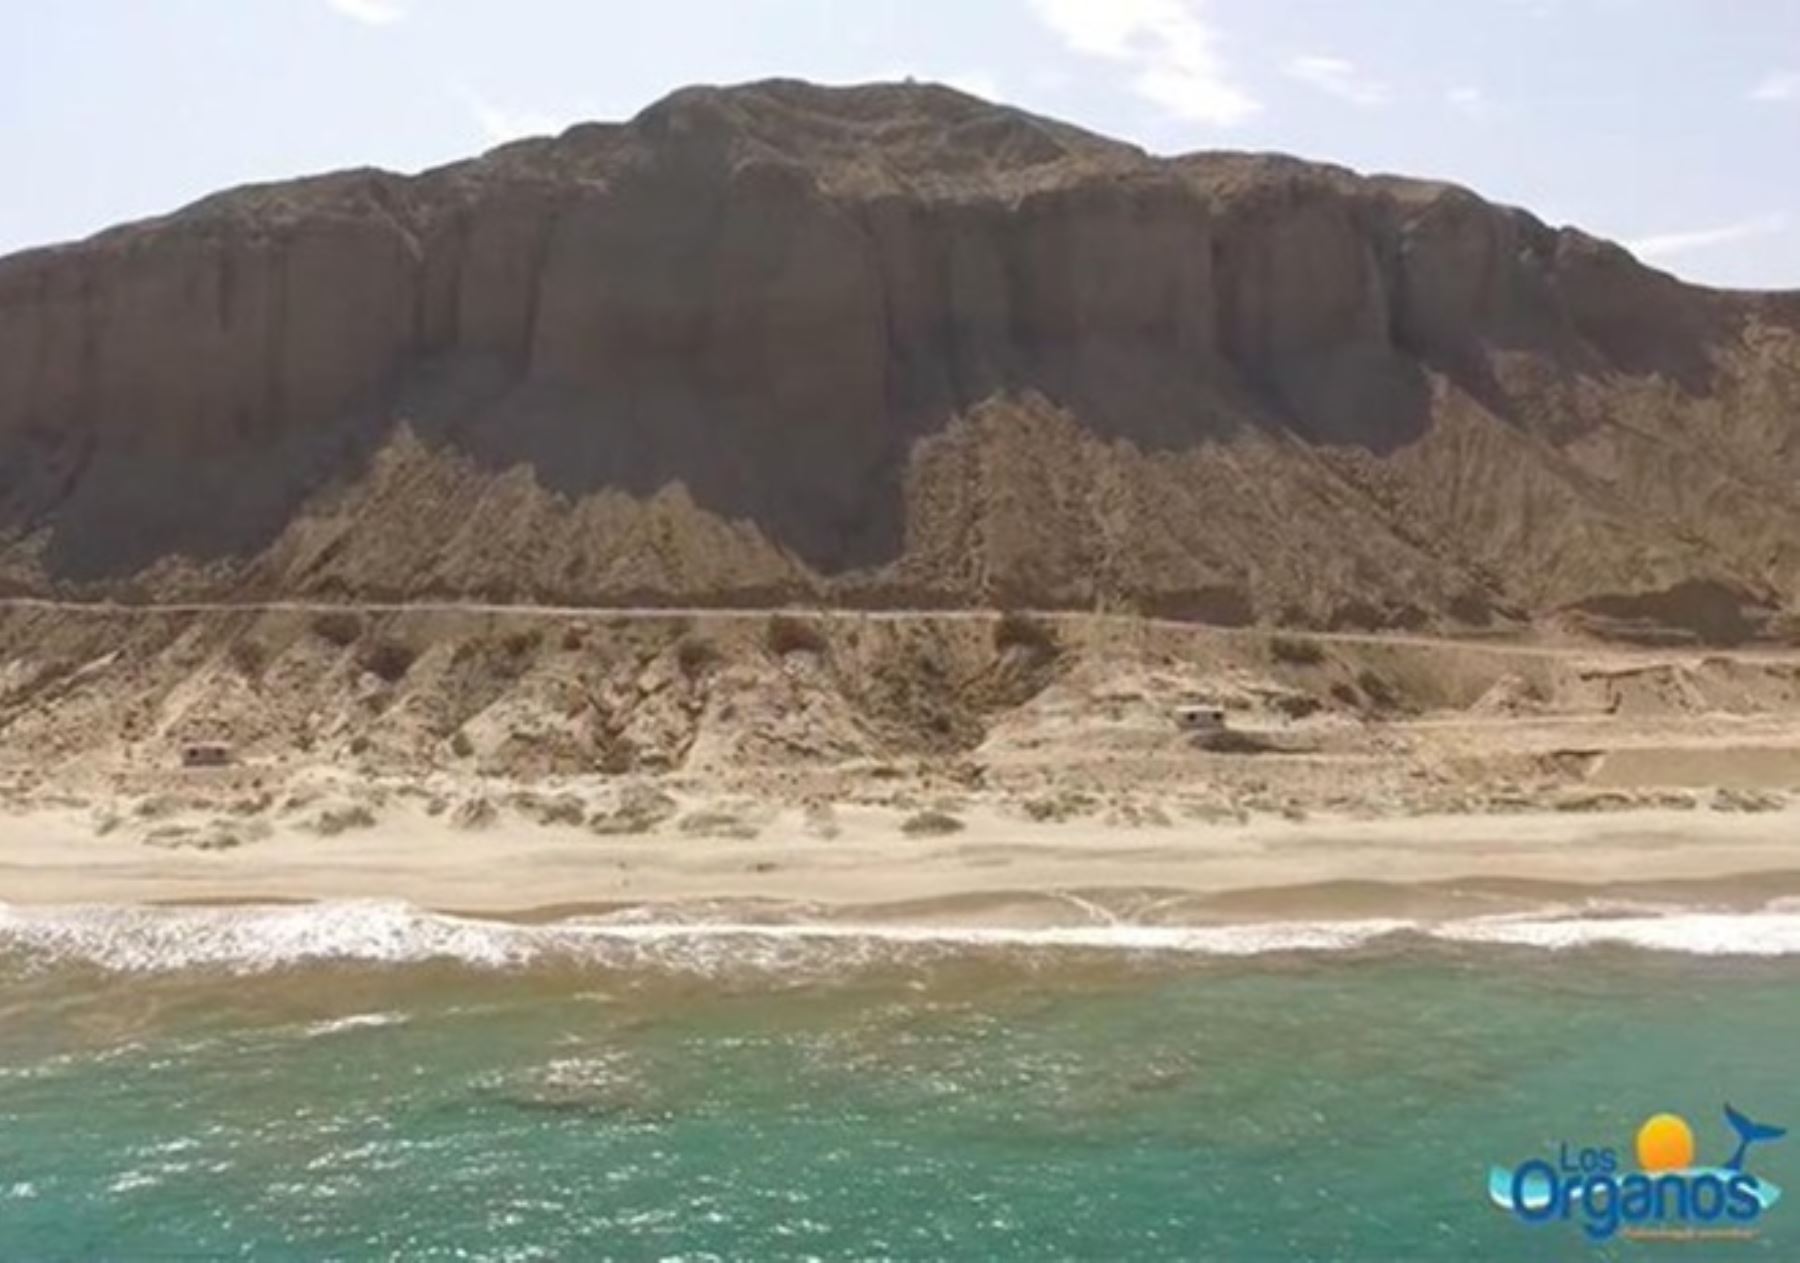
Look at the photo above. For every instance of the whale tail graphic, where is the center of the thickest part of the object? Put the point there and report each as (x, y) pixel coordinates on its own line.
(1749, 1132)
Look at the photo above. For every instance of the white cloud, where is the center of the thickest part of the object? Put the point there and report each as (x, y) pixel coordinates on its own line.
(371, 12)
(1169, 47)
(1669, 244)
(1472, 101)
(1339, 78)
(1469, 100)
(1783, 85)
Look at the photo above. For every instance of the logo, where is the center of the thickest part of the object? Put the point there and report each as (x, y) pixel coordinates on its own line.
(1668, 1196)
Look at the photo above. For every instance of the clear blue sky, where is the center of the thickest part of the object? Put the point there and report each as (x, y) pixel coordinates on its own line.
(1673, 125)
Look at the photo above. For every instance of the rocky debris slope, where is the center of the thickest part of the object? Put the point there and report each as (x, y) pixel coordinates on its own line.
(893, 345)
(713, 726)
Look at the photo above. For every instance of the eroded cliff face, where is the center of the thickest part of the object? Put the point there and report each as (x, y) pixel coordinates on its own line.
(894, 345)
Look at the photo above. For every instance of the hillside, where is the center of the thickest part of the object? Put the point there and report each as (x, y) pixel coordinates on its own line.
(896, 346)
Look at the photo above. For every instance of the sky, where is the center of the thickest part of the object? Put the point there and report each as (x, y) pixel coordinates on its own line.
(1670, 125)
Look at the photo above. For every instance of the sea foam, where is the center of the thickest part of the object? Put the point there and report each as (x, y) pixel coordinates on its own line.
(259, 938)
(1764, 933)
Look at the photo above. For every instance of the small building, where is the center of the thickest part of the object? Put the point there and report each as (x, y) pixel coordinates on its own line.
(1200, 719)
(205, 754)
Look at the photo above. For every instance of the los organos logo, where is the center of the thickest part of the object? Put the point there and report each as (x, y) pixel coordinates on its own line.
(1670, 1194)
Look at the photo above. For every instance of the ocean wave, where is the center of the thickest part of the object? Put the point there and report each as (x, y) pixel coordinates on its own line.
(252, 939)
(355, 1022)
(1690, 933)
(260, 938)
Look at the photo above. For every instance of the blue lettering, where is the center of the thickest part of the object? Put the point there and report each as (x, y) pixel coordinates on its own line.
(1742, 1204)
(1679, 1185)
(1600, 1203)
(1585, 1186)
(1531, 1181)
(1589, 1161)
(1708, 1195)
(1567, 1194)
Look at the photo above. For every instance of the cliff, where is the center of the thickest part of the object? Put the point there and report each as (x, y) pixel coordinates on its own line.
(893, 345)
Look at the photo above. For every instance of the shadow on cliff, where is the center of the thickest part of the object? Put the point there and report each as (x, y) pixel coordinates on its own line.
(105, 512)
(827, 487)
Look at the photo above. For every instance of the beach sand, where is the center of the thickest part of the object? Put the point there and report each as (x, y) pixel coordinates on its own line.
(993, 866)
(927, 765)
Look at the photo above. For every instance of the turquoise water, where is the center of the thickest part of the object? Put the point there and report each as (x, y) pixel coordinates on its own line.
(962, 1102)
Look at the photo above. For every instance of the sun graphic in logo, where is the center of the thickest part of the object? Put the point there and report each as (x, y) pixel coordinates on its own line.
(1665, 1143)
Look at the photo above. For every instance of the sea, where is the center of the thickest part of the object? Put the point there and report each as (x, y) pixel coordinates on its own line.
(374, 1081)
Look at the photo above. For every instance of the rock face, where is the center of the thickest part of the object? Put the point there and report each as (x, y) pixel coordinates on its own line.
(894, 345)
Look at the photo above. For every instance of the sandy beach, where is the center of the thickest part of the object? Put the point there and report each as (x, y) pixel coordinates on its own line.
(992, 866)
(499, 761)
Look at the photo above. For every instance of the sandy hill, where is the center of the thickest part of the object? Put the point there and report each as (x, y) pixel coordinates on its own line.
(897, 346)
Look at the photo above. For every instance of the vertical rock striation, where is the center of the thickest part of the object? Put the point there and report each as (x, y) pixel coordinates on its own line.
(896, 345)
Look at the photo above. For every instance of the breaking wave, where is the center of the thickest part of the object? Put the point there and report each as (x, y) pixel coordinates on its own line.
(261, 938)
